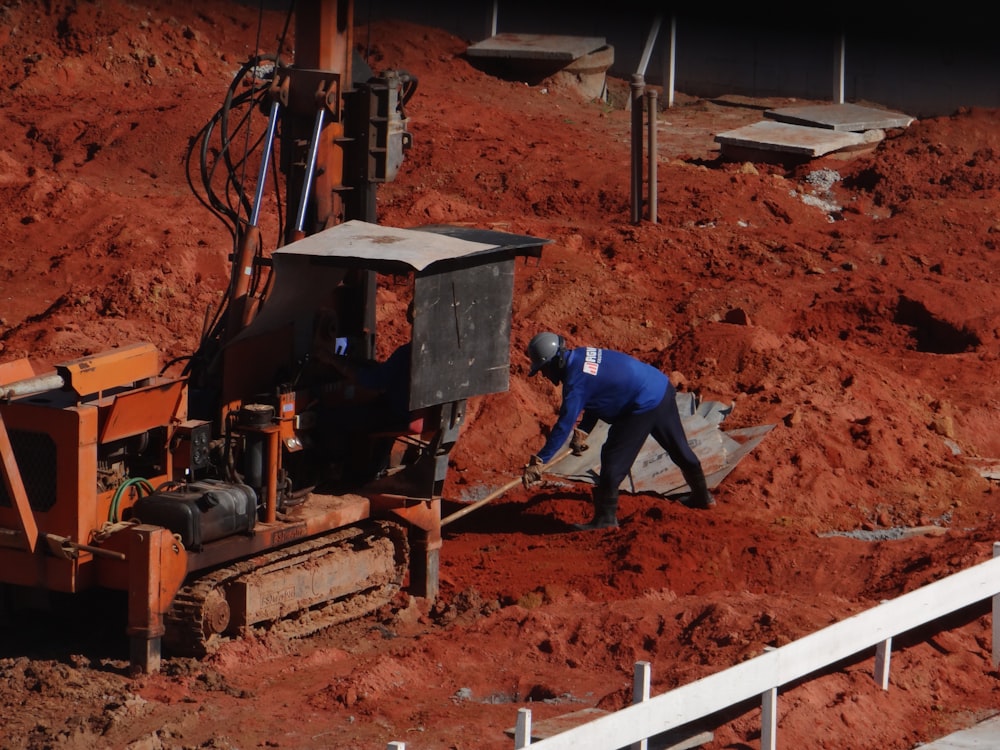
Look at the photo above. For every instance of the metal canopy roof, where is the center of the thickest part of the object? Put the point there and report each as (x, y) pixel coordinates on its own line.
(390, 249)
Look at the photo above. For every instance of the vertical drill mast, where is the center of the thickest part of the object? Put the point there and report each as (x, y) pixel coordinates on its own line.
(314, 134)
(339, 138)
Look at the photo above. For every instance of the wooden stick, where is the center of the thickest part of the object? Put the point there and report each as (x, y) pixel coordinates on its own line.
(495, 494)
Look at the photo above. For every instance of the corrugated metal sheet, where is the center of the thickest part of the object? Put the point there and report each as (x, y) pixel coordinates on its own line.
(653, 470)
(383, 248)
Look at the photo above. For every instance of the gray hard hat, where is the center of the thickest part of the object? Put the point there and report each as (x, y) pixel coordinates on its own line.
(544, 348)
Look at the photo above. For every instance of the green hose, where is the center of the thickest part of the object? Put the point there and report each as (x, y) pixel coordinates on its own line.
(140, 485)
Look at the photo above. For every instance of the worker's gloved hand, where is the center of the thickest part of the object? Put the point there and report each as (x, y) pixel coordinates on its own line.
(578, 443)
(532, 472)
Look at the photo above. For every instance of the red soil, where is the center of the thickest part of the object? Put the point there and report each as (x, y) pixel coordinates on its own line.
(869, 335)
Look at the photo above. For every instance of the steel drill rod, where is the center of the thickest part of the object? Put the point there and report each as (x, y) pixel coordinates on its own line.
(638, 86)
(307, 183)
(651, 102)
(265, 163)
(32, 386)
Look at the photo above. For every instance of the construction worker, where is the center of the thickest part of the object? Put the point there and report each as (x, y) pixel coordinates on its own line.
(371, 398)
(634, 398)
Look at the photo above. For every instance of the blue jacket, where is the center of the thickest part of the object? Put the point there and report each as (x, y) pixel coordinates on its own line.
(606, 385)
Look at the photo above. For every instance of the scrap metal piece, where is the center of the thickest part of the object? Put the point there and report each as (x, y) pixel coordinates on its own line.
(653, 471)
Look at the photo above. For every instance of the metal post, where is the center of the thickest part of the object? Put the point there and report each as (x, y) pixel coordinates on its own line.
(670, 64)
(769, 720)
(641, 679)
(883, 655)
(995, 603)
(493, 20)
(650, 42)
(652, 115)
(522, 731)
(838, 70)
(638, 87)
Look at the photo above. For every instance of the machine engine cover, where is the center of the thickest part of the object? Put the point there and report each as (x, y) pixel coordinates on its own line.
(200, 512)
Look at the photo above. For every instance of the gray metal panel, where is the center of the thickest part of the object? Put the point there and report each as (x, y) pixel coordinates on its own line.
(359, 244)
(372, 244)
(653, 471)
(300, 289)
(461, 333)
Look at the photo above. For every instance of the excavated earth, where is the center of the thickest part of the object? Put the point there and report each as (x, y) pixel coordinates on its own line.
(850, 301)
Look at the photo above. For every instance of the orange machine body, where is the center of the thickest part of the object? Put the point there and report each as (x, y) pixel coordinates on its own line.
(66, 447)
(233, 494)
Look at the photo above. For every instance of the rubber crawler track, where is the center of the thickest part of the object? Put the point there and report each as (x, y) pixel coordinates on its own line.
(186, 631)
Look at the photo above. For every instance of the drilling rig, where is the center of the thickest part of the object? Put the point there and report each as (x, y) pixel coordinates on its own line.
(250, 489)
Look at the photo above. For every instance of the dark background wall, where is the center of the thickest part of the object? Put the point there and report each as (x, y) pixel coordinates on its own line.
(894, 57)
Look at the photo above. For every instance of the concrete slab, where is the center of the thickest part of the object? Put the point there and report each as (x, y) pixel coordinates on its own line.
(547, 47)
(781, 138)
(983, 736)
(842, 117)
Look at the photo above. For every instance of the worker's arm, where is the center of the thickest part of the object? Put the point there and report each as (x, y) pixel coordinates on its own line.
(572, 405)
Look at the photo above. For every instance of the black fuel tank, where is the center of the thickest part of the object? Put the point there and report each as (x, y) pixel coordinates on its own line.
(200, 512)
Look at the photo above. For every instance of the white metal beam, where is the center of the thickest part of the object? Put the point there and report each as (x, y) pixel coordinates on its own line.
(789, 663)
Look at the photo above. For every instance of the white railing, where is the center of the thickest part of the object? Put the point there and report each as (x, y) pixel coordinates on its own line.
(765, 674)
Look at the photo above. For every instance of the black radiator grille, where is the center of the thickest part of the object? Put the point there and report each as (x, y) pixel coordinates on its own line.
(35, 455)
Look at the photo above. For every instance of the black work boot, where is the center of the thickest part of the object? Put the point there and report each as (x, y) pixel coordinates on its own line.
(605, 514)
(699, 497)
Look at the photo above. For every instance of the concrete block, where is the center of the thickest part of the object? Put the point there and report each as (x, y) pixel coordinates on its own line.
(842, 117)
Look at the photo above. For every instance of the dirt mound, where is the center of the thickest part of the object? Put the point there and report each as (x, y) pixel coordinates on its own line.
(851, 303)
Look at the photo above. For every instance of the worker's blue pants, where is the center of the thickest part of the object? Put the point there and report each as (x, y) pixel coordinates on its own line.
(628, 433)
